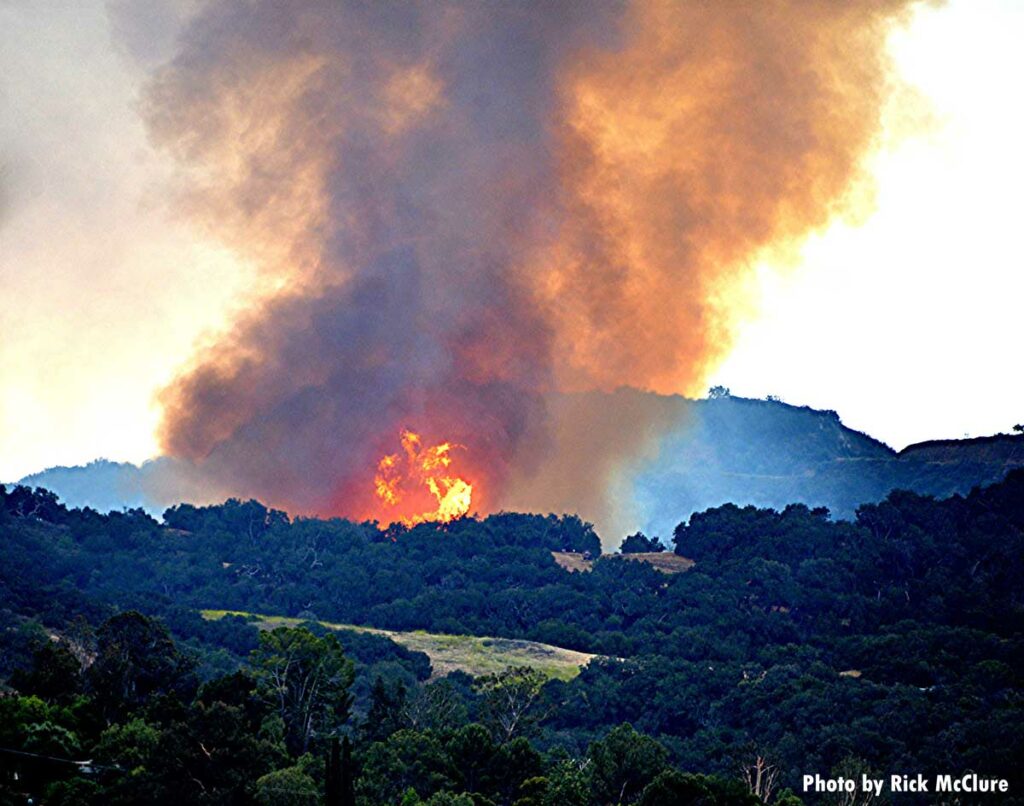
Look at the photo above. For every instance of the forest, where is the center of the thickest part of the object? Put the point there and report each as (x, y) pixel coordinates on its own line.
(797, 643)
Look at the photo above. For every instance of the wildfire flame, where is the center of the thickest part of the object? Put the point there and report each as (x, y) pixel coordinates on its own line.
(402, 482)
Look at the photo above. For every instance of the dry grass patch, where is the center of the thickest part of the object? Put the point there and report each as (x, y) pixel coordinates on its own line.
(473, 654)
(664, 561)
(572, 561)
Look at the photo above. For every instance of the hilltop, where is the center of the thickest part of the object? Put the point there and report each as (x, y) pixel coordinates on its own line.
(664, 561)
(770, 454)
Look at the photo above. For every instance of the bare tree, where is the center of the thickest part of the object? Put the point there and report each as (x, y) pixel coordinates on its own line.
(511, 700)
(761, 776)
(433, 706)
(852, 768)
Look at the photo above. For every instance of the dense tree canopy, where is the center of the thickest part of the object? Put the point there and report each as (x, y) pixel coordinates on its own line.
(796, 643)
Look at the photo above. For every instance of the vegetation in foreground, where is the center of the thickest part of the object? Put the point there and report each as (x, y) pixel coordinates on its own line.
(261, 735)
(794, 644)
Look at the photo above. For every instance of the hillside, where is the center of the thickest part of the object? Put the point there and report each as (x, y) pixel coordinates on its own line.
(665, 561)
(105, 485)
(1000, 450)
(891, 641)
(572, 561)
(770, 454)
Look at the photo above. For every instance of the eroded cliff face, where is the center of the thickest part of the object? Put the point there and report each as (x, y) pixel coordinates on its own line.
(1004, 450)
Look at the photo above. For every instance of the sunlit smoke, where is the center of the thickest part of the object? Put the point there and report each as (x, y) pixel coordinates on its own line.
(465, 211)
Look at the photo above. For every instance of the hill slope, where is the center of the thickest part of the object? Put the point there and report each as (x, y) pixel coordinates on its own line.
(770, 454)
(896, 637)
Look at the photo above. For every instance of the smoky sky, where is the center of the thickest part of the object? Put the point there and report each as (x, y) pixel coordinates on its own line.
(465, 212)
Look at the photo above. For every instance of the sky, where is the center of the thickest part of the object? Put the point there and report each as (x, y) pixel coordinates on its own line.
(905, 322)
(102, 291)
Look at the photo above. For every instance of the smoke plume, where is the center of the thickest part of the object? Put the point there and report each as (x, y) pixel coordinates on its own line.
(465, 211)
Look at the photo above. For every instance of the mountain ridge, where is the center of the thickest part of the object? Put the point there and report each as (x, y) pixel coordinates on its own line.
(728, 449)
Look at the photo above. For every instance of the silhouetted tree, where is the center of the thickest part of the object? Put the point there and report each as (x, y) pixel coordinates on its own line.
(135, 661)
(624, 762)
(638, 543)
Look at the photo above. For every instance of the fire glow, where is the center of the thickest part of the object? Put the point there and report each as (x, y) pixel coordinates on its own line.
(404, 480)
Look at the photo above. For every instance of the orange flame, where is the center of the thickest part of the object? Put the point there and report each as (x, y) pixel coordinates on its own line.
(401, 482)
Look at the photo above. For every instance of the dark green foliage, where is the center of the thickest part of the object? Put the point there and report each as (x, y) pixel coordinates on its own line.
(306, 680)
(639, 542)
(387, 710)
(74, 792)
(136, 660)
(624, 763)
(513, 763)
(290, 786)
(473, 746)
(896, 638)
(671, 788)
(406, 760)
(55, 674)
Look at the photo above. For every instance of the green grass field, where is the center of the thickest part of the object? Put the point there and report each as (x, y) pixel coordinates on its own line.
(472, 654)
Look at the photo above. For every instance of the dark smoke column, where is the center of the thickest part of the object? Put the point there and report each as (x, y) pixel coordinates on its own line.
(468, 209)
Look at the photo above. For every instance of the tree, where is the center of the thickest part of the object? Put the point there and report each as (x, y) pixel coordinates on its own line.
(624, 762)
(408, 761)
(569, 784)
(474, 748)
(290, 786)
(307, 679)
(434, 706)
(511, 699)
(672, 788)
(387, 710)
(55, 674)
(448, 799)
(761, 777)
(136, 659)
(718, 392)
(129, 745)
(856, 769)
(515, 762)
(210, 752)
(73, 792)
(639, 543)
(340, 782)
